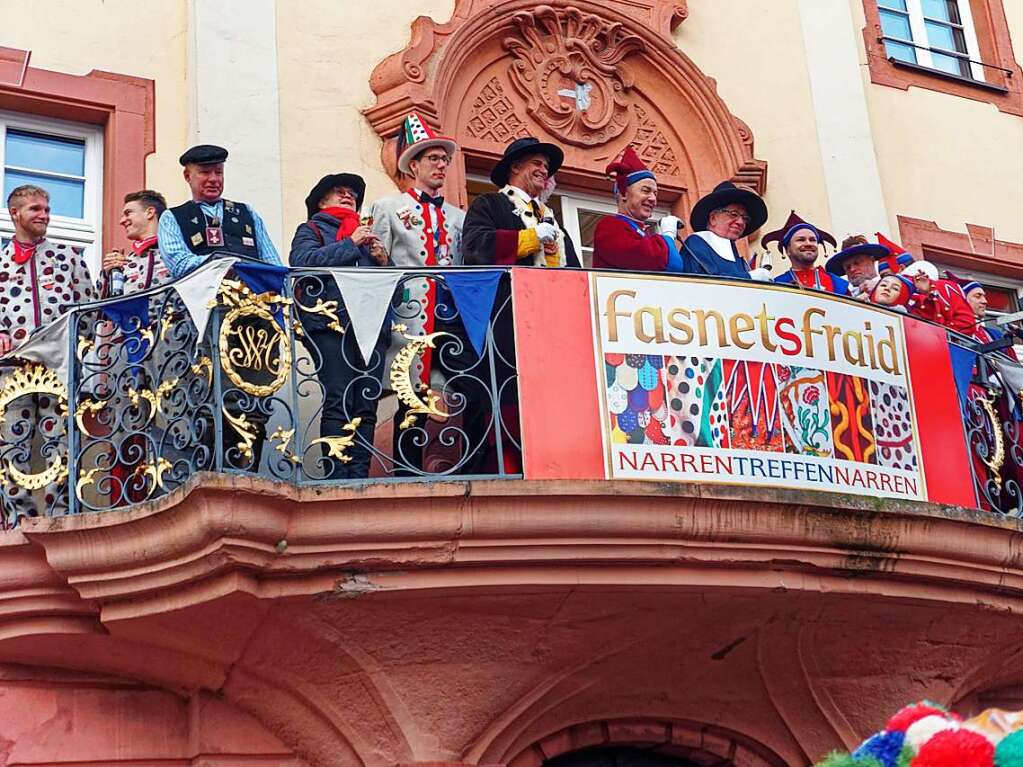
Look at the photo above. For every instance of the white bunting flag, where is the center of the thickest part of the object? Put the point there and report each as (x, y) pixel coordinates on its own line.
(367, 296)
(199, 288)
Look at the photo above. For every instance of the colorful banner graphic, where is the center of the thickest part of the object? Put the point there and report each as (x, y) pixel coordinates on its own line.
(701, 381)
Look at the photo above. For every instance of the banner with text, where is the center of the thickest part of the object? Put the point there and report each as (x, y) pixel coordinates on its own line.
(708, 382)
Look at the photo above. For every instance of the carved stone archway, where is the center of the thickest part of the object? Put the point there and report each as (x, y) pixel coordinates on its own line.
(590, 75)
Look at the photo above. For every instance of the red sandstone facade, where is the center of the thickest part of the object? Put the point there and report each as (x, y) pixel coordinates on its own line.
(241, 622)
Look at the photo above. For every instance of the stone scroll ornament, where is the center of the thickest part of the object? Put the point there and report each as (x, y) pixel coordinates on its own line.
(26, 380)
(567, 65)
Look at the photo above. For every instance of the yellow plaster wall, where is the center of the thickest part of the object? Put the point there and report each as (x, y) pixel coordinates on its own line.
(758, 59)
(92, 34)
(326, 54)
(948, 159)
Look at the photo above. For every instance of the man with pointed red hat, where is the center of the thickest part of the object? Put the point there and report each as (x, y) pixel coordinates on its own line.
(801, 242)
(623, 241)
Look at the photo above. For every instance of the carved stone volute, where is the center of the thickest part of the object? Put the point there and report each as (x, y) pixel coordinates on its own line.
(567, 65)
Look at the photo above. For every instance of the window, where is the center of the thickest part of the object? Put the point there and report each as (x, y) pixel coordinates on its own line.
(65, 159)
(937, 34)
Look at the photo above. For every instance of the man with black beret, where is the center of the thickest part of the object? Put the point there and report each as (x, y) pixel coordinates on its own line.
(207, 223)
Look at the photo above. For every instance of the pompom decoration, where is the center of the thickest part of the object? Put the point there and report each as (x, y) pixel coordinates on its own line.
(884, 746)
(1010, 751)
(838, 759)
(909, 714)
(922, 730)
(955, 748)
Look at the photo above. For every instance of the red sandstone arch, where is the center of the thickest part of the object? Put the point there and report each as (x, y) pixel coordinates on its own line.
(498, 68)
(701, 743)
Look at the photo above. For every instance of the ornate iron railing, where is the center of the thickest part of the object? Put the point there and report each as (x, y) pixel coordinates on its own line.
(275, 385)
(128, 398)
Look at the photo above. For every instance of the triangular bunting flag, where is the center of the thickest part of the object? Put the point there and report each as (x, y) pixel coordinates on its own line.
(48, 346)
(260, 277)
(474, 294)
(199, 288)
(963, 361)
(367, 297)
(131, 315)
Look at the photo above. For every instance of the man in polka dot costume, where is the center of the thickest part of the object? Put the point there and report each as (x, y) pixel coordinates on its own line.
(39, 281)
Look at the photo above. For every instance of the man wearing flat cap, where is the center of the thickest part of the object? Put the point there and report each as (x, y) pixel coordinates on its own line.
(207, 223)
(512, 227)
(801, 242)
(726, 215)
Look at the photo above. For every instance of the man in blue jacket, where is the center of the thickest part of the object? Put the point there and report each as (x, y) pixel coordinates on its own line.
(718, 220)
(334, 236)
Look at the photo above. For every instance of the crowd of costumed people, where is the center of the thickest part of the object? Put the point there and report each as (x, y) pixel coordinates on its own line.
(926, 734)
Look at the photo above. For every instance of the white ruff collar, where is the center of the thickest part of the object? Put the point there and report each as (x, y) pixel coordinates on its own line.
(720, 245)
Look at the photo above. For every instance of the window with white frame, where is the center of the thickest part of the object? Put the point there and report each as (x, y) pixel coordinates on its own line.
(65, 159)
(937, 34)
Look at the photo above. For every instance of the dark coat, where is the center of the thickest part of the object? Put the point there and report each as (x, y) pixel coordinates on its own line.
(490, 234)
(314, 246)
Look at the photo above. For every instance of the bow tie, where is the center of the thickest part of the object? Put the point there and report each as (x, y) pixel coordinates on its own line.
(428, 200)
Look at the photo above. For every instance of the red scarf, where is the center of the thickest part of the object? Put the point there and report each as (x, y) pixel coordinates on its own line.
(348, 221)
(141, 246)
(23, 253)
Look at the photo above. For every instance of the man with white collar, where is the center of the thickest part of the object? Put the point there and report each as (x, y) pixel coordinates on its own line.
(512, 227)
(207, 223)
(39, 281)
(726, 215)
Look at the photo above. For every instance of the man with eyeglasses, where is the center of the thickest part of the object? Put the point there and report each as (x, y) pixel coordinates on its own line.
(419, 228)
(726, 215)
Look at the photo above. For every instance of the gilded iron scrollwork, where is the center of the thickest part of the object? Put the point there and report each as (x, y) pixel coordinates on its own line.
(401, 379)
(337, 447)
(995, 461)
(35, 379)
(255, 350)
(245, 429)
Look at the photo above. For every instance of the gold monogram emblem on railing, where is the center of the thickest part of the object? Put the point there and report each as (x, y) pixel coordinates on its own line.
(35, 379)
(255, 350)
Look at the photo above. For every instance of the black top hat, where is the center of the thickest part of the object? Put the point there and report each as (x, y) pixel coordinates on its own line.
(203, 154)
(333, 181)
(725, 194)
(522, 147)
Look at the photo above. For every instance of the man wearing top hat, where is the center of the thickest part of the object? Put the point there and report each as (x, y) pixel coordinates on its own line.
(332, 236)
(419, 228)
(801, 241)
(512, 226)
(207, 223)
(726, 215)
(623, 241)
